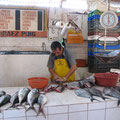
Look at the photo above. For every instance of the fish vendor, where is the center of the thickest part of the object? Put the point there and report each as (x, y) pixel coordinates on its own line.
(61, 63)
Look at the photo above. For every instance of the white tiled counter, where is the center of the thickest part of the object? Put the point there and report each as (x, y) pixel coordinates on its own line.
(65, 106)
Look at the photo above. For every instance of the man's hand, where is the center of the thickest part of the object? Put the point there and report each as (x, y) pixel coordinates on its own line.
(60, 79)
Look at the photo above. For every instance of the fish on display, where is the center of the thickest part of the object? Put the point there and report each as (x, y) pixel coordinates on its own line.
(22, 95)
(72, 85)
(32, 98)
(84, 93)
(60, 89)
(2, 93)
(117, 88)
(4, 99)
(13, 100)
(96, 92)
(51, 87)
(87, 83)
(42, 100)
(112, 92)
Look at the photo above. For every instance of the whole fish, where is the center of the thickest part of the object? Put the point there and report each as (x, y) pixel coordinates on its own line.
(72, 85)
(32, 98)
(22, 95)
(87, 83)
(4, 99)
(96, 92)
(83, 93)
(2, 93)
(117, 88)
(112, 92)
(42, 100)
(13, 100)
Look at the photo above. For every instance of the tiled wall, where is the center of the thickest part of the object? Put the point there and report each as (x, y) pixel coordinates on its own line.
(92, 111)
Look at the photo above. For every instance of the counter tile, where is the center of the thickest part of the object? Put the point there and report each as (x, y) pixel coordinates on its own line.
(78, 116)
(33, 113)
(111, 104)
(37, 118)
(113, 114)
(57, 109)
(14, 113)
(77, 107)
(96, 115)
(95, 106)
(58, 117)
(20, 118)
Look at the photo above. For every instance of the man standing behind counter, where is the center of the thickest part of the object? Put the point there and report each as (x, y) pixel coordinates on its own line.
(61, 63)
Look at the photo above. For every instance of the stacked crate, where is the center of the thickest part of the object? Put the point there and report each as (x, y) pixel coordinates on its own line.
(95, 45)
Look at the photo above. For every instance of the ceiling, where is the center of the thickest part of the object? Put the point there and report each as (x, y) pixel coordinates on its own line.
(114, 3)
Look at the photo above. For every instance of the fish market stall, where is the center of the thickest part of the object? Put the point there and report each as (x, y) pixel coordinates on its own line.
(64, 106)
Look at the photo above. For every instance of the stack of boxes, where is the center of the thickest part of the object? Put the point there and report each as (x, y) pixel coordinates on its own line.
(96, 35)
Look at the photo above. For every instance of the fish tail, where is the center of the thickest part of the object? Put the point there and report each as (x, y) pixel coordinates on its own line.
(31, 107)
(94, 99)
(118, 102)
(42, 111)
(9, 107)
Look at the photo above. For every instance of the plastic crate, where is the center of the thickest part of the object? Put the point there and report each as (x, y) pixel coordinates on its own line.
(106, 79)
(96, 66)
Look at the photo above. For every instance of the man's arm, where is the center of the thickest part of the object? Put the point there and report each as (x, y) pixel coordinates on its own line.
(72, 70)
(53, 73)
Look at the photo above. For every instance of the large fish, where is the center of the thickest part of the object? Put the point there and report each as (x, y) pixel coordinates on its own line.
(112, 92)
(22, 95)
(13, 100)
(42, 100)
(4, 100)
(32, 98)
(72, 85)
(96, 92)
(2, 93)
(84, 93)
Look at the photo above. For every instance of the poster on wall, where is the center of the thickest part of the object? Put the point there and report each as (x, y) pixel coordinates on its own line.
(7, 19)
(23, 23)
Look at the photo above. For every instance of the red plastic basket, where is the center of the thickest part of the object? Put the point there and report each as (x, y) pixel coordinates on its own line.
(38, 82)
(106, 79)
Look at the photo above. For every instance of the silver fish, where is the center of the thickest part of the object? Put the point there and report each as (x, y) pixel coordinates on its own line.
(13, 100)
(32, 98)
(83, 93)
(4, 100)
(42, 100)
(22, 95)
(2, 93)
(96, 92)
(112, 92)
(72, 85)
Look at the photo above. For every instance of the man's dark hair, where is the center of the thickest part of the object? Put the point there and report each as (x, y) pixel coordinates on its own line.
(55, 45)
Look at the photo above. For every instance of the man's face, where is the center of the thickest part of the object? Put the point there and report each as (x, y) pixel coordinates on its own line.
(58, 52)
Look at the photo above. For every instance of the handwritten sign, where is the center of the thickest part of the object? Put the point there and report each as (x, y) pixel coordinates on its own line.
(28, 20)
(7, 19)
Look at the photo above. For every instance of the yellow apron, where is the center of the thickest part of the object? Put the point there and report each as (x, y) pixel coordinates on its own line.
(61, 68)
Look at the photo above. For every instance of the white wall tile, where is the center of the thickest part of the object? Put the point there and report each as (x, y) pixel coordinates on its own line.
(58, 117)
(57, 109)
(96, 115)
(37, 118)
(110, 104)
(97, 105)
(20, 118)
(32, 113)
(77, 107)
(78, 116)
(14, 113)
(113, 114)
